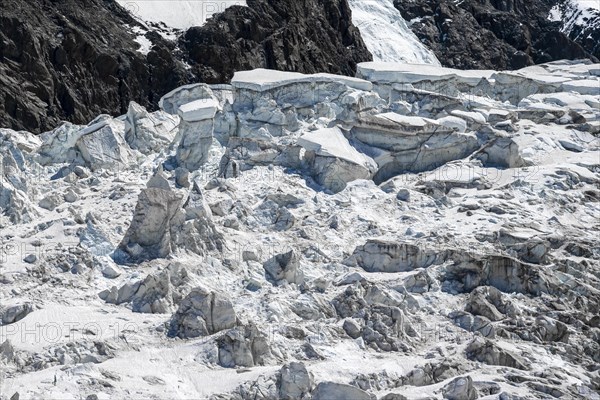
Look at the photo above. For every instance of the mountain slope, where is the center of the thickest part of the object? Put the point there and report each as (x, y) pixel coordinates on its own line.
(490, 34)
(305, 36)
(72, 60)
(580, 20)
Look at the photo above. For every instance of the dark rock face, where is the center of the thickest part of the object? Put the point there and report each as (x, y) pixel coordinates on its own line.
(75, 59)
(490, 34)
(306, 36)
(72, 60)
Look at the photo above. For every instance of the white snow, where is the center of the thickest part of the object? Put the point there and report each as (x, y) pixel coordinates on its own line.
(198, 110)
(387, 34)
(331, 142)
(583, 86)
(142, 40)
(266, 79)
(178, 14)
(410, 73)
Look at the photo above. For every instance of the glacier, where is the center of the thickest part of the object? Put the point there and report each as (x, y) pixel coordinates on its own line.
(412, 231)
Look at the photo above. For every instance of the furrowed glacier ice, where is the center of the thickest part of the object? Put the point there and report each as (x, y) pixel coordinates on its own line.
(412, 232)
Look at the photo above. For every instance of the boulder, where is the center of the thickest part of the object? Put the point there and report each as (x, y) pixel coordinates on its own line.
(202, 313)
(10, 314)
(339, 391)
(403, 195)
(30, 258)
(333, 161)
(244, 346)
(284, 268)
(111, 271)
(352, 328)
(488, 352)
(460, 388)
(294, 382)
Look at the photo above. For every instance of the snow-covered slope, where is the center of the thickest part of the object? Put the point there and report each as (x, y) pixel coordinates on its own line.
(387, 34)
(580, 21)
(179, 14)
(574, 13)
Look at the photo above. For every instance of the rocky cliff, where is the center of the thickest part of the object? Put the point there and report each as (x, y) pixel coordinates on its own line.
(492, 34)
(72, 60)
(305, 36)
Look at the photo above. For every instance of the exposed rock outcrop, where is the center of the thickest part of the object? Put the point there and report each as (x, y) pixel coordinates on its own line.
(75, 60)
(307, 37)
(492, 34)
(460, 389)
(339, 391)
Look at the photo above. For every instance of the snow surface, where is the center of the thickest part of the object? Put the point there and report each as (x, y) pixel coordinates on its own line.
(387, 34)
(180, 14)
(331, 142)
(198, 110)
(266, 79)
(410, 73)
